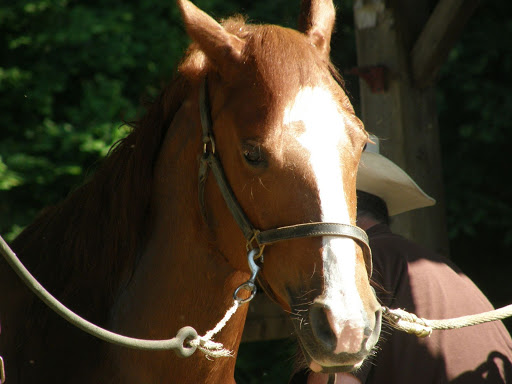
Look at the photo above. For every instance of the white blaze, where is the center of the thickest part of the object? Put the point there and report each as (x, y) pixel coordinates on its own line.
(323, 138)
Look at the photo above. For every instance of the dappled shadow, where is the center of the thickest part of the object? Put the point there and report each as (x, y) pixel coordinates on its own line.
(497, 369)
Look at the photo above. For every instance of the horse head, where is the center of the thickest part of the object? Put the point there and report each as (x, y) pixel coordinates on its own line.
(289, 144)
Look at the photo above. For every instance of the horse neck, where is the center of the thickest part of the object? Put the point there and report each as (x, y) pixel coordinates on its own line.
(180, 279)
(173, 288)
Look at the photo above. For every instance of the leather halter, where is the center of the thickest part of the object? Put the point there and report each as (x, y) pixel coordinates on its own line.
(210, 160)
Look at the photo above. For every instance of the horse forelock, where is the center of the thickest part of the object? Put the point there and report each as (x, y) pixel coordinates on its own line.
(278, 57)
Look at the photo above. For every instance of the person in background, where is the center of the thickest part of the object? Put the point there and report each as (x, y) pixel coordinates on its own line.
(413, 278)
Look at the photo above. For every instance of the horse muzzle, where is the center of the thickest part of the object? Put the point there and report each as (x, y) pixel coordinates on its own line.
(332, 344)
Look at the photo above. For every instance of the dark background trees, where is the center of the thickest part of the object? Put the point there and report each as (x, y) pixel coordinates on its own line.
(72, 71)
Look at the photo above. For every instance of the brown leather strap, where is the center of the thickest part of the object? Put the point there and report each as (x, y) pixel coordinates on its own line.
(212, 161)
(311, 230)
(319, 229)
(204, 112)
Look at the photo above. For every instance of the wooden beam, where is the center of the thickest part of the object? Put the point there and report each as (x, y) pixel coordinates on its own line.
(440, 33)
(404, 117)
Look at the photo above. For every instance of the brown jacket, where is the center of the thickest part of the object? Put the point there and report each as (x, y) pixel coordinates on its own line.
(422, 282)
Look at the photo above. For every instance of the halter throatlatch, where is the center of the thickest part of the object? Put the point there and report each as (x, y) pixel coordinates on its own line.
(257, 239)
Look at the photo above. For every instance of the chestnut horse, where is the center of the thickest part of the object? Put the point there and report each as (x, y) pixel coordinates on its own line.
(134, 251)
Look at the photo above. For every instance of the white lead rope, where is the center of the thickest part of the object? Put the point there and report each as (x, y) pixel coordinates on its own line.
(211, 348)
(187, 340)
(398, 318)
(184, 344)
(410, 323)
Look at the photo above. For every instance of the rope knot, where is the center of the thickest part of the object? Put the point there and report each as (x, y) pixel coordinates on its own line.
(210, 348)
(407, 322)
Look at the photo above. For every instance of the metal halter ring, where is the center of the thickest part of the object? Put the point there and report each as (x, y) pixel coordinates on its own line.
(249, 285)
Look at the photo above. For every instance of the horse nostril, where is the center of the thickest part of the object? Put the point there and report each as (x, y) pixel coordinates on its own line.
(374, 333)
(321, 326)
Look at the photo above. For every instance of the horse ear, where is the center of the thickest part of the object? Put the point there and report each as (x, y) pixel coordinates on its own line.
(220, 46)
(316, 20)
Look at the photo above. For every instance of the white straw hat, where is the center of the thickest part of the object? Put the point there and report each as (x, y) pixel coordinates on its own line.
(383, 178)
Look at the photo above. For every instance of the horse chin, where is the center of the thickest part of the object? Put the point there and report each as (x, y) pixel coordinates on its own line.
(323, 365)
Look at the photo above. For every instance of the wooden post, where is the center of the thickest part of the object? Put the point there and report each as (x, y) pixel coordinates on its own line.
(437, 38)
(403, 117)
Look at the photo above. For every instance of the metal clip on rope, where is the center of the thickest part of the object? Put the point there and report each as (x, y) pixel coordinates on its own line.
(250, 284)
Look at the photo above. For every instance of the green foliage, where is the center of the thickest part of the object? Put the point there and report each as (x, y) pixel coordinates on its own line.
(70, 73)
(475, 111)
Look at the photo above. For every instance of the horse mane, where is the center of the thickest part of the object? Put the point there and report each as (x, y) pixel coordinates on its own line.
(83, 248)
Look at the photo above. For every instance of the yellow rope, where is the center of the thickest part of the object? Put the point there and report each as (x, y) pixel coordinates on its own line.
(410, 323)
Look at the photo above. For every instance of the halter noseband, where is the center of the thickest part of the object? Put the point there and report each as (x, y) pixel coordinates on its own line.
(210, 160)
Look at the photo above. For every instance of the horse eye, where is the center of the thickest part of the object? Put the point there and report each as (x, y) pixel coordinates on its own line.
(253, 155)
